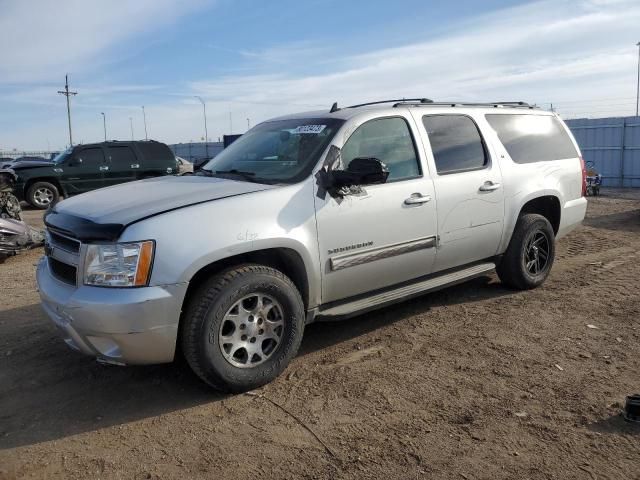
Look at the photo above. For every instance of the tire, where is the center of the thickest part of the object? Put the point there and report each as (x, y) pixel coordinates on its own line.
(531, 235)
(42, 195)
(223, 318)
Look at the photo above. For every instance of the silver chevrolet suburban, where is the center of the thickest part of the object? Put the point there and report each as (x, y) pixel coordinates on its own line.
(320, 215)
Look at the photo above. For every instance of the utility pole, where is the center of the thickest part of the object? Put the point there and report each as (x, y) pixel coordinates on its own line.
(144, 116)
(206, 134)
(66, 93)
(248, 124)
(638, 84)
(131, 123)
(230, 124)
(104, 124)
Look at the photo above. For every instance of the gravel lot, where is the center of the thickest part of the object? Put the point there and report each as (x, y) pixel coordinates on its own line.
(472, 382)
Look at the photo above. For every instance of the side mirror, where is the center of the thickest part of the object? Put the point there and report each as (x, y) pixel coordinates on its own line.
(361, 171)
(199, 163)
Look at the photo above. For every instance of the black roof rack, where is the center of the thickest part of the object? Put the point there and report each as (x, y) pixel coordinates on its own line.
(465, 104)
(421, 101)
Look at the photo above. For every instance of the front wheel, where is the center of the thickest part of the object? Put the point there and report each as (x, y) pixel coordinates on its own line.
(528, 260)
(242, 327)
(42, 195)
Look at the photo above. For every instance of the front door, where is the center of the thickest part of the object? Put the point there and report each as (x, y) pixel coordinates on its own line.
(84, 171)
(386, 234)
(468, 188)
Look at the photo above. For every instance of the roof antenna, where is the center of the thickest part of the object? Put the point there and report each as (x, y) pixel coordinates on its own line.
(334, 107)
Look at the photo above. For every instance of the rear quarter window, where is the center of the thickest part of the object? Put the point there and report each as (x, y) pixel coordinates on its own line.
(532, 138)
(157, 154)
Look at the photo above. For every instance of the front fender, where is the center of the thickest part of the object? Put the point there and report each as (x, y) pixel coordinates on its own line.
(193, 237)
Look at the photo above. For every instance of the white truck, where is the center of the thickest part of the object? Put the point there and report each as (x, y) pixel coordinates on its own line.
(319, 215)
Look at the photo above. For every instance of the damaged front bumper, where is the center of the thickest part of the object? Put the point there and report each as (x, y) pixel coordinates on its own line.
(124, 326)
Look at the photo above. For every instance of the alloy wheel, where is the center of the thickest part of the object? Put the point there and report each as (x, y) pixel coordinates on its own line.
(43, 197)
(536, 255)
(251, 330)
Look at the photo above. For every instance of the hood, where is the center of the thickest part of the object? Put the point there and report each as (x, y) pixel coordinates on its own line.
(130, 202)
(30, 164)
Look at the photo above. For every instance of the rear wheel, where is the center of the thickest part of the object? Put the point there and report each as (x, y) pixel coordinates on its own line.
(42, 195)
(242, 327)
(528, 260)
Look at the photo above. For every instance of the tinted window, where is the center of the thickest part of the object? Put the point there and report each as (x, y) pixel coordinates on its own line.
(387, 139)
(156, 154)
(456, 143)
(532, 138)
(122, 158)
(91, 156)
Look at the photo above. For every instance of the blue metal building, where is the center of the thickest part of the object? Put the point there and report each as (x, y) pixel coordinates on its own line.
(613, 145)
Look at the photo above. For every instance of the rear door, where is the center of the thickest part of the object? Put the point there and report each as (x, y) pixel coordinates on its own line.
(84, 171)
(123, 165)
(468, 188)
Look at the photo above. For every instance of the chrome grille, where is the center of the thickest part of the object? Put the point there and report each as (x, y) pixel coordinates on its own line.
(61, 241)
(63, 255)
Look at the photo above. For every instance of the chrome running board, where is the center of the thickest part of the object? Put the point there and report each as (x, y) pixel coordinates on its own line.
(406, 291)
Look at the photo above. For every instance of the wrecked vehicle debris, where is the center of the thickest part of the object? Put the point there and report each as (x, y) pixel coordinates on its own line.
(15, 235)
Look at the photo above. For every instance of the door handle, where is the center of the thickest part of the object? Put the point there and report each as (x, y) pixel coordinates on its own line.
(489, 186)
(135, 165)
(417, 198)
(104, 168)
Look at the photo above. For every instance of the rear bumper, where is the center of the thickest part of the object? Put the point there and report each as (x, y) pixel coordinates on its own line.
(572, 215)
(133, 326)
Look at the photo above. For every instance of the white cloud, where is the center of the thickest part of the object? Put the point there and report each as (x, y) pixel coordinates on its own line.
(540, 52)
(571, 53)
(37, 37)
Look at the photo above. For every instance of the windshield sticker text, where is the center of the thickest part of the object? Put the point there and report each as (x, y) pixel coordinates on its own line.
(313, 129)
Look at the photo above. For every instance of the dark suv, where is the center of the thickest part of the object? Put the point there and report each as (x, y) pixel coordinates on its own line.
(87, 167)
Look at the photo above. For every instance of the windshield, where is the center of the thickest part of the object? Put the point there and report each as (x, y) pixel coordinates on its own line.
(281, 151)
(61, 157)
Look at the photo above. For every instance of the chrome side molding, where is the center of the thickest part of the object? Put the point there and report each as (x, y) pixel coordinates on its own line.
(352, 259)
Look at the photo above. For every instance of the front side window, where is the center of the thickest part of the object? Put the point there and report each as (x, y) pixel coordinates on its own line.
(456, 143)
(62, 156)
(280, 151)
(90, 157)
(532, 138)
(389, 140)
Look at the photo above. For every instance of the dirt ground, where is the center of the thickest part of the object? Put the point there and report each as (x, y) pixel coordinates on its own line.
(473, 382)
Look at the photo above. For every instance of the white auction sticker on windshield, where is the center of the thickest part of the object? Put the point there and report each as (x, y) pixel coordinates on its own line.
(309, 129)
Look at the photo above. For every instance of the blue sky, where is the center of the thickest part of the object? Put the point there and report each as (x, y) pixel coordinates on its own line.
(257, 59)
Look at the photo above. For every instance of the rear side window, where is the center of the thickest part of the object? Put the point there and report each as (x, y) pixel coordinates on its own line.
(90, 157)
(532, 138)
(389, 140)
(122, 158)
(157, 154)
(456, 143)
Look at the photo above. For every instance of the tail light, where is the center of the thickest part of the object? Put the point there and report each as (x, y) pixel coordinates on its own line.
(584, 177)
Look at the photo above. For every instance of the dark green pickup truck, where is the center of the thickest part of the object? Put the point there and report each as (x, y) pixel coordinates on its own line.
(88, 167)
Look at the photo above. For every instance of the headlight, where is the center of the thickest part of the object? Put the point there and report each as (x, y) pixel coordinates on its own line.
(118, 264)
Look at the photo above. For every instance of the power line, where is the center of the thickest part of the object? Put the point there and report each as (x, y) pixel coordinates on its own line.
(67, 93)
